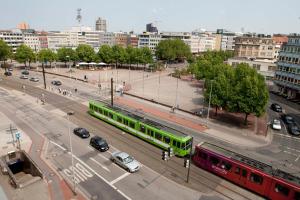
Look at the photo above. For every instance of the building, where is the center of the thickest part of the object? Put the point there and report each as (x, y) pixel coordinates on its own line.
(255, 46)
(121, 39)
(23, 26)
(132, 40)
(149, 40)
(225, 40)
(207, 41)
(13, 38)
(279, 40)
(31, 39)
(264, 67)
(287, 75)
(57, 40)
(107, 38)
(151, 28)
(43, 39)
(101, 25)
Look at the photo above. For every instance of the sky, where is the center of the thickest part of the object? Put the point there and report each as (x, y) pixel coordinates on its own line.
(261, 16)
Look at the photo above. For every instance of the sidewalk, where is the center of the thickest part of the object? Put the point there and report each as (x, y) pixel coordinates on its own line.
(233, 135)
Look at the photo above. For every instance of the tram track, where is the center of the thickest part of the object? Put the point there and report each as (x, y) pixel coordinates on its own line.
(148, 154)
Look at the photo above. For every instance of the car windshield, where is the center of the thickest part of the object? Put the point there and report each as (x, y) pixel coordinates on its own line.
(289, 118)
(128, 159)
(101, 142)
(276, 122)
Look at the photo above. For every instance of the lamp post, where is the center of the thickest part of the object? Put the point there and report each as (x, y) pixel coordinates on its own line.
(211, 86)
(71, 149)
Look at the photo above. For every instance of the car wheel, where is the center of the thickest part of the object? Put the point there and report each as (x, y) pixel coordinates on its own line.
(128, 170)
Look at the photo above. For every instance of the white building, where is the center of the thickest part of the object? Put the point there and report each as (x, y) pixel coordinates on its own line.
(207, 42)
(32, 40)
(149, 40)
(107, 38)
(101, 25)
(13, 38)
(265, 67)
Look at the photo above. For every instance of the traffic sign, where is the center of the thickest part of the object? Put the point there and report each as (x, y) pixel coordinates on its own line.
(18, 135)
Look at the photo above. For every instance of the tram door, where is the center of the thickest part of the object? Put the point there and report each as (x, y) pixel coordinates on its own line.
(240, 175)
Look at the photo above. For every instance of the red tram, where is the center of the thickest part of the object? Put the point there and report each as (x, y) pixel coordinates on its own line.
(256, 176)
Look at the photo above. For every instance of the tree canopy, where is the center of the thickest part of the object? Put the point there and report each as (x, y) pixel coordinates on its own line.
(66, 54)
(24, 54)
(172, 49)
(5, 51)
(46, 55)
(86, 53)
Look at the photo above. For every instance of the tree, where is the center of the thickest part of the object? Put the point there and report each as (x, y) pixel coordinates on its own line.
(24, 54)
(105, 54)
(85, 53)
(5, 51)
(66, 54)
(130, 51)
(118, 54)
(146, 55)
(46, 55)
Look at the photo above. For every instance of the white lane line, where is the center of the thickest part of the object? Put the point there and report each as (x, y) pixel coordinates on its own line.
(58, 145)
(87, 166)
(109, 152)
(103, 156)
(115, 149)
(290, 153)
(119, 178)
(95, 161)
(91, 148)
(297, 158)
(292, 149)
(286, 136)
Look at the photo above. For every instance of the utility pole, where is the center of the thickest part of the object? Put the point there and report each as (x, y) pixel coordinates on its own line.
(44, 75)
(11, 131)
(112, 91)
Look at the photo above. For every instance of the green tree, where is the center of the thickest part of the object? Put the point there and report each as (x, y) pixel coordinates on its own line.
(105, 54)
(66, 54)
(85, 53)
(24, 54)
(46, 55)
(118, 54)
(130, 51)
(5, 52)
(146, 56)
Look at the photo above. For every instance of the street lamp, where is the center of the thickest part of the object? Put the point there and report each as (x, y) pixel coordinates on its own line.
(72, 159)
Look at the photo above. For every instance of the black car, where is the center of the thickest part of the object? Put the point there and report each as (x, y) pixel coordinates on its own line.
(81, 132)
(293, 129)
(276, 107)
(287, 119)
(25, 72)
(99, 143)
(7, 73)
(57, 83)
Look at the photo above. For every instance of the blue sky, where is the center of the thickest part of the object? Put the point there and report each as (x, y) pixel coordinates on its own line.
(263, 16)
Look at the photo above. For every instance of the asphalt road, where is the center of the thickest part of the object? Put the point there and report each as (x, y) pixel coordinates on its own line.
(147, 154)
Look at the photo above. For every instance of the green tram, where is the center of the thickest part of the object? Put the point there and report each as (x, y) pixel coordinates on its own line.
(146, 129)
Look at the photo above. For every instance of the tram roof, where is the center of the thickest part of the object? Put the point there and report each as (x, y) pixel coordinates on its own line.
(146, 120)
(268, 169)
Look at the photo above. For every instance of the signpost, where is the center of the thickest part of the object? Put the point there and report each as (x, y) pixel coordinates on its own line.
(18, 135)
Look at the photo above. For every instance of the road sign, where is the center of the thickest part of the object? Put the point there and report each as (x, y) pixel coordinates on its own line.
(18, 135)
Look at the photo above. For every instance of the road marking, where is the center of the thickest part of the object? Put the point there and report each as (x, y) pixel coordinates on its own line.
(81, 174)
(119, 178)
(93, 171)
(287, 136)
(292, 149)
(58, 145)
(95, 161)
(290, 153)
(103, 157)
(91, 148)
(297, 158)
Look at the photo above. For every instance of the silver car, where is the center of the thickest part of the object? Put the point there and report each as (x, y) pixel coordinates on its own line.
(34, 79)
(125, 161)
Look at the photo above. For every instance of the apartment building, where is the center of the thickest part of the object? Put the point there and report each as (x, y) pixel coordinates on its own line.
(31, 39)
(13, 38)
(225, 40)
(149, 40)
(287, 75)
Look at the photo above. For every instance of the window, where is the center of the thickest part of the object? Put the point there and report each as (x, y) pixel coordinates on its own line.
(244, 173)
(158, 136)
(111, 115)
(256, 178)
(203, 155)
(105, 113)
(214, 160)
(100, 111)
(281, 189)
(167, 139)
(237, 170)
(131, 124)
(178, 144)
(297, 196)
(119, 119)
(125, 122)
(142, 128)
(225, 165)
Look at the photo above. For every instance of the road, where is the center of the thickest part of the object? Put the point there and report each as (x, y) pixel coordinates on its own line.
(148, 183)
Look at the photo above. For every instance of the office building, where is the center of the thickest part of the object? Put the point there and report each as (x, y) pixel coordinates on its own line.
(151, 28)
(101, 25)
(13, 38)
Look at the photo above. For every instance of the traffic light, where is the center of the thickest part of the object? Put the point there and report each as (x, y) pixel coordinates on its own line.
(170, 152)
(164, 155)
(186, 163)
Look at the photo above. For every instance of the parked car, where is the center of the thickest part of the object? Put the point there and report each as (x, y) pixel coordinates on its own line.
(276, 124)
(126, 161)
(57, 83)
(276, 107)
(34, 79)
(293, 129)
(81, 132)
(23, 77)
(99, 143)
(287, 119)
(7, 73)
(25, 72)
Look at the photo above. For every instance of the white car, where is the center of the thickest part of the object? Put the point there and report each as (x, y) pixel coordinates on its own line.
(276, 125)
(125, 161)
(34, 79)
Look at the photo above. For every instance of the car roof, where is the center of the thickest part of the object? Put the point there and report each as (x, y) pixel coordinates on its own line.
(97, 137)
(122, 155)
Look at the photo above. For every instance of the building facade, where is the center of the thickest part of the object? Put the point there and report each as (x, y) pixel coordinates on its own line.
(101, 25)
(287, 76)
(151, 28)
(13, 38)
(32, 40)
(255, 46)
(149, 40)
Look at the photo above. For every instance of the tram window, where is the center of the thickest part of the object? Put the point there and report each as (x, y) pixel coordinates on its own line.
(152, 133)
(100, 111)
(125, 122)
(142, 128)
(119, 119)
(214, 160)
(203, 155)
(91, 106)
(256, 178)
(244, 173)
(297, 196)
(131, 124)
(281, 189)
(237, 170)
(225, 165)
(167, 139)
(96, 109)
(178, 144)
(158, 136)
(105, 112)
(111, 115)
(174, 143)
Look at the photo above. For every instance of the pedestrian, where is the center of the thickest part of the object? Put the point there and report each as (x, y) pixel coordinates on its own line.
(75, 90)
(59, 90)
(70, 93)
